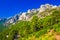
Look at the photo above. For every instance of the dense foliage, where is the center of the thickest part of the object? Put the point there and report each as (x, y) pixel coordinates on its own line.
(2, 26)
(36, 29)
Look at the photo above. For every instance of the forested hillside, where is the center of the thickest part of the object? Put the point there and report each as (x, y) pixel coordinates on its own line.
(46, 28)
(2, 26)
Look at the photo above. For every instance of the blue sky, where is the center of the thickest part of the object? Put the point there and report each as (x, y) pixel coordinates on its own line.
(11, 7)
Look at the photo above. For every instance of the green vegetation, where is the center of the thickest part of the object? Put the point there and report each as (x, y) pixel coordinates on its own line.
(36, 29)
(2, 27)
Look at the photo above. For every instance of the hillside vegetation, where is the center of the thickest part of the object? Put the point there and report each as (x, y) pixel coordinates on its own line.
(46, 28)
(2, 26)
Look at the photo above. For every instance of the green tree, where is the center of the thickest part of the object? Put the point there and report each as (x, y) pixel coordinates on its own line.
(34, 24)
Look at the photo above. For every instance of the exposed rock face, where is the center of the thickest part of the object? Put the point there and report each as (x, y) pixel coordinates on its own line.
(29, 11)
(44, 7)
(23, 16)
(27, 15)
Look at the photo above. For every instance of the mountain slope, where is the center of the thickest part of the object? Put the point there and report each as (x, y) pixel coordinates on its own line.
(40, 27)
(2, 26)
(35, 29)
